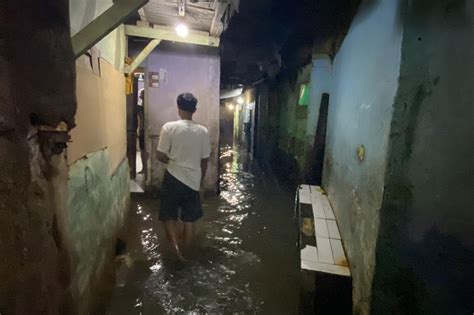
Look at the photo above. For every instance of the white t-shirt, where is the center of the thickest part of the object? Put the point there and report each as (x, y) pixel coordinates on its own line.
(185, 143)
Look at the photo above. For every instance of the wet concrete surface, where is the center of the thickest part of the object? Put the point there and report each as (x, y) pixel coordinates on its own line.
(247, 259)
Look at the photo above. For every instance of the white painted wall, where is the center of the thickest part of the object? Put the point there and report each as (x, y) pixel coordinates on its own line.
(364, 83)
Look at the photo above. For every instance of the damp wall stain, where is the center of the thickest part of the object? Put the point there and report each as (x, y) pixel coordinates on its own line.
(425, 241)
(98, 204)
(364, 81)
(34, 83)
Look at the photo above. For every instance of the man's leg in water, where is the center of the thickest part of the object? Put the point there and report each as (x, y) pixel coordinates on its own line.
(171, 228)
(188, 237)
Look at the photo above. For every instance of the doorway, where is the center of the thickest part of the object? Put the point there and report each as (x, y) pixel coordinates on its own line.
(136, 149)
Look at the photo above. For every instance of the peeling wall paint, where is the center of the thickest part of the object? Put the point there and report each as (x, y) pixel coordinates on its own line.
(425, 248)
(365, 71)
(97, 207)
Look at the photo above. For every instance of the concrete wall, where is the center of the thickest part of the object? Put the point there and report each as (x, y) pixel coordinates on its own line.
(97, 206)
(98, 179)
(364, 83)
(401, 89)
(100, 117)
(113, 47)
(425, 248)
(398, 164)
(282, 124)
(320, 82)
(190, 69)
(37, 78)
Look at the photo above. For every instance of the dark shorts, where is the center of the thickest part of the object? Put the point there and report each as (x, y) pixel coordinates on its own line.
(176, 196)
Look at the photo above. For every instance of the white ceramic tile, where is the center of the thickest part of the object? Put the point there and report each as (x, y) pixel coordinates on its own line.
(321, 228)
(324, 250)
(327, 268)
(333, 229)
(327, 208)
(338, 253)
(135, 188)
(309, 253)
(318, 210)
(305, 194)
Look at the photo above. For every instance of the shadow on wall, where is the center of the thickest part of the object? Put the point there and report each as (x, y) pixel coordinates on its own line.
(424, 251)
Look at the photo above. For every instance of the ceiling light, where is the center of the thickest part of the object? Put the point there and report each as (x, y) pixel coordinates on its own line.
(240, 100)
(182, 30)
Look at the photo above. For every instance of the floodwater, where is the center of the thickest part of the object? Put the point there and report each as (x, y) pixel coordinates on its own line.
(247, 262)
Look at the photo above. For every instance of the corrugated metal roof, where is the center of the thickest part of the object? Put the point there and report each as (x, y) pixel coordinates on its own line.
(198, 16)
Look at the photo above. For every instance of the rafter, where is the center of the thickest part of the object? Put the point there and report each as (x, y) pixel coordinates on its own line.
(104, 24)
(169, 34)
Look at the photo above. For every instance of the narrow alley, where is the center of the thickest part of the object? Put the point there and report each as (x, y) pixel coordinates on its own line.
(272, 157)
(238, 268)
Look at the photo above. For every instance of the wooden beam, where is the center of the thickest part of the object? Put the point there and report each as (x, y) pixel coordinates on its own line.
(104, 24)
(220, 9)
(169, 34)
(142, 14)
(142, 55)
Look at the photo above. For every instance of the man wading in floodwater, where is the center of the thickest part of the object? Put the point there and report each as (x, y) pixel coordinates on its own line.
(185, 146)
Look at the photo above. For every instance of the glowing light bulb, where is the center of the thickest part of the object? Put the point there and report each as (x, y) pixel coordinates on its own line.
(240, 100)
(182, 30)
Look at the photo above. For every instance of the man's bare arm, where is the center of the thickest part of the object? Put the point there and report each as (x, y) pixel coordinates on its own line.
(204, 163)
(162, 157)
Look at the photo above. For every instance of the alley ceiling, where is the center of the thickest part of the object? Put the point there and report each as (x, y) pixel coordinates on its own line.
(210, 16)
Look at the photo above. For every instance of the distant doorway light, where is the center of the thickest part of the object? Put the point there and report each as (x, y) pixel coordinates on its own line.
(230, 107)
(182, 30)
(240, 100)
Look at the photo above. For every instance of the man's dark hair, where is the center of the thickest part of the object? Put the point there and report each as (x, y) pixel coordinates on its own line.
(187, 102)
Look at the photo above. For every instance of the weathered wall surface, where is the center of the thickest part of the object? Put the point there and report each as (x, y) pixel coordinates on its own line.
(98, 181)
(89, 134)
(293, 117)
(364, 82)
(96, 211)
(101, 114)
(36, 88)
(113, 46)
(426, 249)
(320, 82)
(189, 69)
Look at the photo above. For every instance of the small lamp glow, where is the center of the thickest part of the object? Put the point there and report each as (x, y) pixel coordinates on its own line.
(240, 100)
(230, 107)
(182, 30)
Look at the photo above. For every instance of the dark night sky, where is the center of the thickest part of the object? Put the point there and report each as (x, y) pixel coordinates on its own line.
(270, 37)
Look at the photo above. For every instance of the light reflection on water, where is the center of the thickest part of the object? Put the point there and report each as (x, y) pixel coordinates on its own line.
(213, 281)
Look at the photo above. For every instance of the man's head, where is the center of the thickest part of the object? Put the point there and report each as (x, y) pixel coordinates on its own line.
(186, 105)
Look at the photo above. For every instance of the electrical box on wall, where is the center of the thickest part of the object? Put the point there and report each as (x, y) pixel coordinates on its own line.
(154, 79)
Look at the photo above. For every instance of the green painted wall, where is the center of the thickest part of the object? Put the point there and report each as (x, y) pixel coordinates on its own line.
(293, 116)
(425, 248)
(97, 206)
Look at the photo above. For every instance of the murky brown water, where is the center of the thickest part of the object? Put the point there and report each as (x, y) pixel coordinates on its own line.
(247, 261)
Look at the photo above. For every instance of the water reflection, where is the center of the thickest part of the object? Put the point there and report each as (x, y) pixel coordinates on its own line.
(216, 280)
